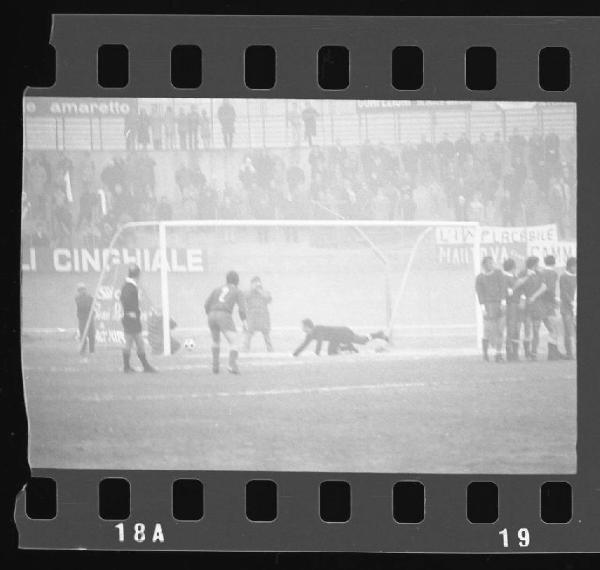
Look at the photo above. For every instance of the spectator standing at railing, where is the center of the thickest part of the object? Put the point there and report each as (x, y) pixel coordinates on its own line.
(476, 209)
(130, 129)
(164, 211)
(205, 130)
(410, 161)
(481, 151)
(156, 127)
(182, 129)
(182, 178)
(295, 178)
(39, 237)
(143, 129)
(169, 128)
(316, 160)
(294, 120)
(89, 235)
(381, 205)
(309, 116)
(463, 149)
(113, 174)
(193, 118)
(446, 153)
(508, 213)
(460, 209)
(87, 171)
(38, 195)
(552, 154)
(145, 165)
(197, 178)
(338, 155)
(512, 204)
(537, 161)
(226, 115)
(496, 160)
(517, 146)
(207, 202)
(62, 220)
(84, 303)
(426, 159)
(88, 201)
(247, 174)
(407, 207)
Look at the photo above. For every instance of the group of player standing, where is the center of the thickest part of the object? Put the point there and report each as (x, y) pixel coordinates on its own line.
(515, 301)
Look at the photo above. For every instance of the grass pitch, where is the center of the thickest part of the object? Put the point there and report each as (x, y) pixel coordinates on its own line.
(399, 412)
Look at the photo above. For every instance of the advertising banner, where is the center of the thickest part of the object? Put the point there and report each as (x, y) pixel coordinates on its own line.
(84, 260)
(455, 244)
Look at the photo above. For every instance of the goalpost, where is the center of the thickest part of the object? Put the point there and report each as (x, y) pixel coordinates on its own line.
(395, 268)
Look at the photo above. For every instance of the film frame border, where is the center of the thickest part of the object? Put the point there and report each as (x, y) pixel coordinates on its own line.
(370, 41)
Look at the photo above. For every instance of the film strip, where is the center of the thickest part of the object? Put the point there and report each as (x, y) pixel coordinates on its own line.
(536, 493)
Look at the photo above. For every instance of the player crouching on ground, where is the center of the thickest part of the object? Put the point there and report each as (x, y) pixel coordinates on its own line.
(132, 324)
(491, 292)
(219, 309)
(259, 319)
(339, 338)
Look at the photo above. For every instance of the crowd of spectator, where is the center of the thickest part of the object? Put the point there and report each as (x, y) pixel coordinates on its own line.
(518, 181)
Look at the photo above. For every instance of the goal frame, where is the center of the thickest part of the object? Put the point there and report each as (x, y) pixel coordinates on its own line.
(357, 225)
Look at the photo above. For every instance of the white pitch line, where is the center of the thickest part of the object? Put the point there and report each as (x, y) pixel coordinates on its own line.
(247, 393)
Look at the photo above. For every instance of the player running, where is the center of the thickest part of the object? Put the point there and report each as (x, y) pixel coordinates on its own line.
(339, 338)
(219, 309)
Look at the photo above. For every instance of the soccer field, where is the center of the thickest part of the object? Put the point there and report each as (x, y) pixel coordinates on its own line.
(403, 412)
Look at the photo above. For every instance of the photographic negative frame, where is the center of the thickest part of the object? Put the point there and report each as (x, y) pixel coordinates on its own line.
(371, 526)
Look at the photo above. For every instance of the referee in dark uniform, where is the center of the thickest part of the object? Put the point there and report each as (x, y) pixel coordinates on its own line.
(132, 324)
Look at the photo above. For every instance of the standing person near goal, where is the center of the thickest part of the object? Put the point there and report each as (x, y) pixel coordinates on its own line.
(132, 324)
(491, 293)
(219, 310)
(259, 318)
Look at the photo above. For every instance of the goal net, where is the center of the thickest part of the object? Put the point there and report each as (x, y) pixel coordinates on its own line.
(414, 280)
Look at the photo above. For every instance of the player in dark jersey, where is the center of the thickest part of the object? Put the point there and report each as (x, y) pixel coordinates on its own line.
(536, 285)
(513, 317)
(132, 324)
(568, 304)
(551, 301)
(491, 294)
(338, 338)
(219, 309)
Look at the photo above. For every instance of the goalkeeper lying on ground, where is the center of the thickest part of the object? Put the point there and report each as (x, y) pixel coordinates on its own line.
(339, 338)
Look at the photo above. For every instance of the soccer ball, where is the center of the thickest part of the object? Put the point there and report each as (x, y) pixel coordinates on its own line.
(189, 344)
